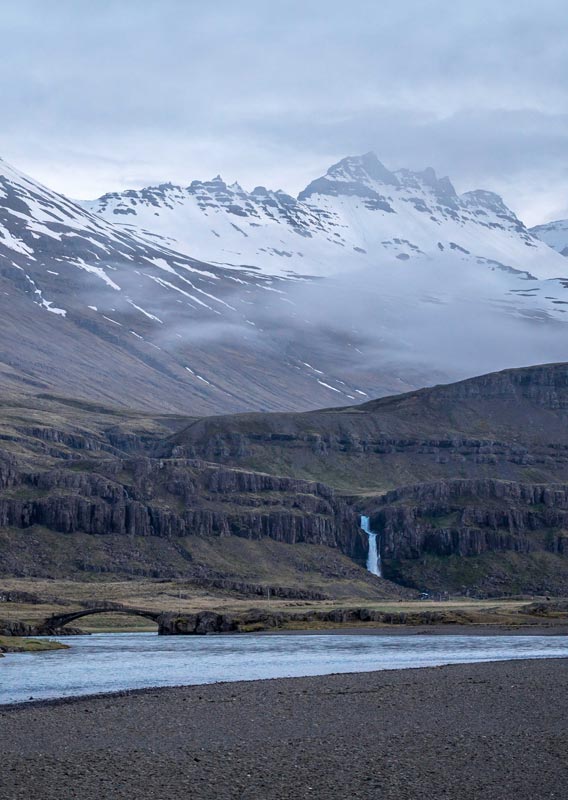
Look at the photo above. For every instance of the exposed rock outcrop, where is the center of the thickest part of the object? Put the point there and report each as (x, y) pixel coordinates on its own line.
(467, 518)
(13, 627)
(452, 477)
(261, 620)
(177, 498)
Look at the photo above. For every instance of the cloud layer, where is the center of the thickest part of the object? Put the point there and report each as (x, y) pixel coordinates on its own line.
(107, 95)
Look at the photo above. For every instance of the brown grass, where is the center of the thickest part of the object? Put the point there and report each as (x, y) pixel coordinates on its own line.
(181, 596)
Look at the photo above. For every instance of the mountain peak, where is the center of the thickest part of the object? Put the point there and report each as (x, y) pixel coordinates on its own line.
(554, 234)
(361, 169)
(366, 176)
(356, 176)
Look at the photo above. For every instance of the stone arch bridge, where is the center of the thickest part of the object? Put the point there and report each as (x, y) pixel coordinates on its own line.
(169, 623)
(58, 621)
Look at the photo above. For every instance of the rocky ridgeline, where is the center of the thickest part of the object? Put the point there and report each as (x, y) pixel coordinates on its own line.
(545, 386)
(480, 424)
(467, 452)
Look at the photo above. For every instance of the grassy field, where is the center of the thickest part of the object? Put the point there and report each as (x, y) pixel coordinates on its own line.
(17, 644)
(61, 596)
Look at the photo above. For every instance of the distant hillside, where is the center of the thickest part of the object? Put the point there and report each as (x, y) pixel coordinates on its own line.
(466, 486)
(554, 234)
(510, 425)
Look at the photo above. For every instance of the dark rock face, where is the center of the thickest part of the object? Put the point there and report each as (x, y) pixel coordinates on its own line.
(471, 517)
(8, 470)
(395, 459)
(12, 627)
(197, 624)
(178, 498)
(467, 527)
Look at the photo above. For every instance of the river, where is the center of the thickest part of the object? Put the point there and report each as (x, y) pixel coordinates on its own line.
(109, 662)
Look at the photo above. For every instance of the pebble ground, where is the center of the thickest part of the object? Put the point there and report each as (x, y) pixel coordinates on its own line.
(467, 732)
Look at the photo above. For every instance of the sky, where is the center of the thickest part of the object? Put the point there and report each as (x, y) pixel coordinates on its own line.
(113, 94)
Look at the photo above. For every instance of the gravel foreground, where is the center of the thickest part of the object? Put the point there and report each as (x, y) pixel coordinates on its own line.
(493, 731)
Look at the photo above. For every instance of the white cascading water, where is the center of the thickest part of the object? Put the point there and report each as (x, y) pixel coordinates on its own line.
(374, 556)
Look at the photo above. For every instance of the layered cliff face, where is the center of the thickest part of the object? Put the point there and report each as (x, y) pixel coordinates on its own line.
(467, 486)
(82, 493)
(471, 517)
(179, 498)
(455, 528)
(178, 518)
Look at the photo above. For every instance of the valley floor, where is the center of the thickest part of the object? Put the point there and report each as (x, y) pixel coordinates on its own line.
(494, 730)
(33, 600)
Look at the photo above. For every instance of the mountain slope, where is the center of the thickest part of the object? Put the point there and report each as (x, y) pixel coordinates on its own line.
(554, 234)
(420, 283)
(99, 312)
(510, 425)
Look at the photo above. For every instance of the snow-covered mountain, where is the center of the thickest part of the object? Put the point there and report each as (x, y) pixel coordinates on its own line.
(93, 310)
(554, 234)
(98, 311)
(358, 214)
(210, 299)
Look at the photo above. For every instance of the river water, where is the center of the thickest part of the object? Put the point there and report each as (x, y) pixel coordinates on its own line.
(108, 662)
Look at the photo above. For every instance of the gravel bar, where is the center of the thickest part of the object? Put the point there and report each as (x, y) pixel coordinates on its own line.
(463, 732)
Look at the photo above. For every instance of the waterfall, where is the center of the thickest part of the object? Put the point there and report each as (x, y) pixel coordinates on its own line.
(374, 556)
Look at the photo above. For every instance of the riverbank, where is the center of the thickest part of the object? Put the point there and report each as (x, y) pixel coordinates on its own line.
(494, 730)
(17, 644)
(552, 628)
(32, 601)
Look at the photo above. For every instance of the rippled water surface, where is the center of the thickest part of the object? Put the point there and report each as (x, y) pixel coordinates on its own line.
(110, 662)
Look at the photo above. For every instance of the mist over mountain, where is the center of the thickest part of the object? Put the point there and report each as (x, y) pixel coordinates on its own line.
(555, 234)
(209, 298)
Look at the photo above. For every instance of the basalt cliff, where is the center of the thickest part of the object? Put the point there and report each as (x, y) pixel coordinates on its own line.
(466, 486)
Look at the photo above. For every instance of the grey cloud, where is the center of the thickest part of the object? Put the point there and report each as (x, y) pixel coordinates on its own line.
(105, 95)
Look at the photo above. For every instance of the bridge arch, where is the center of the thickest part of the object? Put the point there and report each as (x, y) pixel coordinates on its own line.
(60, 620)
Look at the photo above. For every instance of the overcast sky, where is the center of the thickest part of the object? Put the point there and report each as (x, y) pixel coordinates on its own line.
(112, 94)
